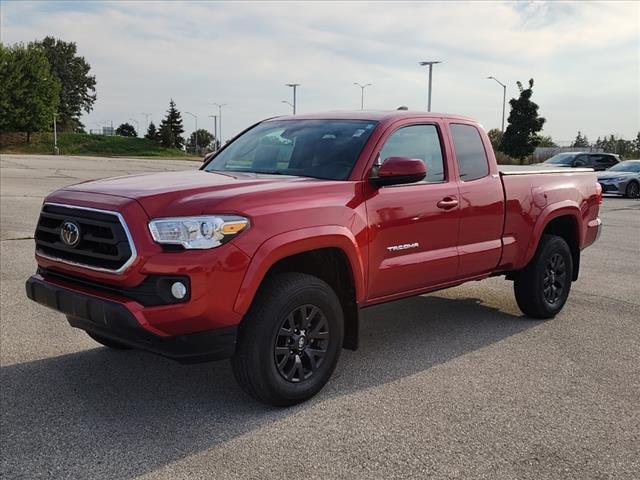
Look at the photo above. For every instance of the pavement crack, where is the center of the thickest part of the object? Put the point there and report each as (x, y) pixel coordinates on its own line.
(17, 238)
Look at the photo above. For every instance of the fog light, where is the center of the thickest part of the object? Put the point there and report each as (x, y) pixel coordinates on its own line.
(178, 290)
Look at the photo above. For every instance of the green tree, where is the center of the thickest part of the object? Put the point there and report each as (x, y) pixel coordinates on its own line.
(29, 93)
(126, 130)
(521, 136)
(495, 136)
(204, 139)
(547, 141)
(77, 93)
(581, 141)
(152, 132)
(171, 128)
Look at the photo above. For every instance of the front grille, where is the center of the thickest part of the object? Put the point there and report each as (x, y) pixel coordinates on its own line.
(104, 243)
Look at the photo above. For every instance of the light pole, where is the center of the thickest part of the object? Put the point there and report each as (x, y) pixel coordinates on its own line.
(215, 129)
(294, 86)
(291, 105)
(195, 135)
(146, 119)
(220, 105)
(504, 97)
(137, 125)
(55, 135)
(362, 87)
(430, 64)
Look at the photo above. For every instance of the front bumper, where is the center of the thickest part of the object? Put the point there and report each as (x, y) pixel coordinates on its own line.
(115, 320)
(617, 188)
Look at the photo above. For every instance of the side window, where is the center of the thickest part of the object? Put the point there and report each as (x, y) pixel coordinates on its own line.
(584, 160)
(470, 153)
(417, 141)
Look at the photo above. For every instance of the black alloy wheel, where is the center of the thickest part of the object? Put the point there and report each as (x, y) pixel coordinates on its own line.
(555, 278)
(301, 343)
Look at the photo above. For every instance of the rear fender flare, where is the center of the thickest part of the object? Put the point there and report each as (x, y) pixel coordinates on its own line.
(549, 213)
(294, 242)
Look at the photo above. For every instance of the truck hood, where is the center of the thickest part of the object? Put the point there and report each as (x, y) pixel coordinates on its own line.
(199, 192)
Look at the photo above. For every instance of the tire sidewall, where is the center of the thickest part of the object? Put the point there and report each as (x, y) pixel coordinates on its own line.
(313, 292)
(552, 246)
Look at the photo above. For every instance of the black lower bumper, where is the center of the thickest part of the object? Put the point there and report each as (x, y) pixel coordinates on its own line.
(114, 321)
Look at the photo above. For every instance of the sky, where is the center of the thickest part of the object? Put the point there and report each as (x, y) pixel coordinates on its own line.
(583, 56)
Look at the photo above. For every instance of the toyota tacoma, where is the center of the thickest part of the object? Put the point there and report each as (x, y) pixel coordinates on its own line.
(267, 253)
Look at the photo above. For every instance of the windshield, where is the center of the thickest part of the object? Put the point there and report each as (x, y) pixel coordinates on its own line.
(627, 167)
(325, 149)
(561, 159)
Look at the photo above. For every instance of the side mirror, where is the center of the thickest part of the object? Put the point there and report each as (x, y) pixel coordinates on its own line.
(398, 170)
(579, 163)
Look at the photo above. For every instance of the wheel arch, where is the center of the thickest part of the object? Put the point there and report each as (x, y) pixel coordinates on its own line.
(329, 253)
(563, 221)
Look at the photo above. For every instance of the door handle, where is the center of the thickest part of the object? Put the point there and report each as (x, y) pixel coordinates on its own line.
(447, 203)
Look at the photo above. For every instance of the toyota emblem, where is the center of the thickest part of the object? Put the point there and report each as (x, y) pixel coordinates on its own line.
(70, 233)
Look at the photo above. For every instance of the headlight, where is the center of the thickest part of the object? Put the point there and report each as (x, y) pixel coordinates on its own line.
(201, 232)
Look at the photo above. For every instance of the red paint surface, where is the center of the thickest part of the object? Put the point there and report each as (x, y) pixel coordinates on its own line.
(463, 230)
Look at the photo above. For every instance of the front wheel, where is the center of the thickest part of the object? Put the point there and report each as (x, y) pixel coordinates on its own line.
(290, 340)
(632, 190)
(543, 286)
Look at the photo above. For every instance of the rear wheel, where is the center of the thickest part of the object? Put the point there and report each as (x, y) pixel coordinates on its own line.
(107, 342)
(632, 190)
(543, 286)
(290, 340)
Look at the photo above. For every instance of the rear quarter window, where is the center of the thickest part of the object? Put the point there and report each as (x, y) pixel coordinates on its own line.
(470, 153)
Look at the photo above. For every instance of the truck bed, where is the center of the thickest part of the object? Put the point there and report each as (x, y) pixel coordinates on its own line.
(538, 169)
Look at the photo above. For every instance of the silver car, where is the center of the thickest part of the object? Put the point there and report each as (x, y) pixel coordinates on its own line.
(622, 179)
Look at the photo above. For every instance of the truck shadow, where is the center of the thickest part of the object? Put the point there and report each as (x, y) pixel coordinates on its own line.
(103, 413)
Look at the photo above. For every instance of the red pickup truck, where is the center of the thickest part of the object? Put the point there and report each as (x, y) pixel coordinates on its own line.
(268, 252)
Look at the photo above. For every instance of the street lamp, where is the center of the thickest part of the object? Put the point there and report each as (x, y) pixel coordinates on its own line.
(220, 105)
(294, 86)
(291, 105)
(215, 129)
(504, 97)
(362, 87)
(196, 132)
(430, 64)
(137, 126)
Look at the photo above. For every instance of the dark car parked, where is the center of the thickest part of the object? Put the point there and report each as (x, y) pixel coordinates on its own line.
(597, 161)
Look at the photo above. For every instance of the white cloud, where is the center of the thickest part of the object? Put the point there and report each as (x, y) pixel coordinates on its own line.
(583, 56)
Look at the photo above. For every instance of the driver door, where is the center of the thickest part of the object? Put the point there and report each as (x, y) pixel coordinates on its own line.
(414, 227)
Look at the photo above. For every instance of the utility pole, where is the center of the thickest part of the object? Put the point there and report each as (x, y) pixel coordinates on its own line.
(362, 87)
(55, 135)
(137, 126)
(220, 105)
(504, 98)
(430, 64)
(146, 119)
(215, 128)
(291, 105)
(195, 135)
(294, 86)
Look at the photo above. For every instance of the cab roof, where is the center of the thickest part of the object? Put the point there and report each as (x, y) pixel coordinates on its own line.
(382, 116)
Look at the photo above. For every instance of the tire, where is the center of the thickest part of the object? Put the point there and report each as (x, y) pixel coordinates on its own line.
(632, 190)
(273, 363)
(543, 286)
(107, 342)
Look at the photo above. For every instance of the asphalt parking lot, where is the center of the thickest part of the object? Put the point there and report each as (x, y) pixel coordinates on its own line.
(455, 384)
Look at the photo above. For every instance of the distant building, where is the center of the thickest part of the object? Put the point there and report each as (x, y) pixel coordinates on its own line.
(108, 131)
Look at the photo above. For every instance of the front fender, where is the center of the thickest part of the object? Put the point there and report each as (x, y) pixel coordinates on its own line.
(298, 241)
